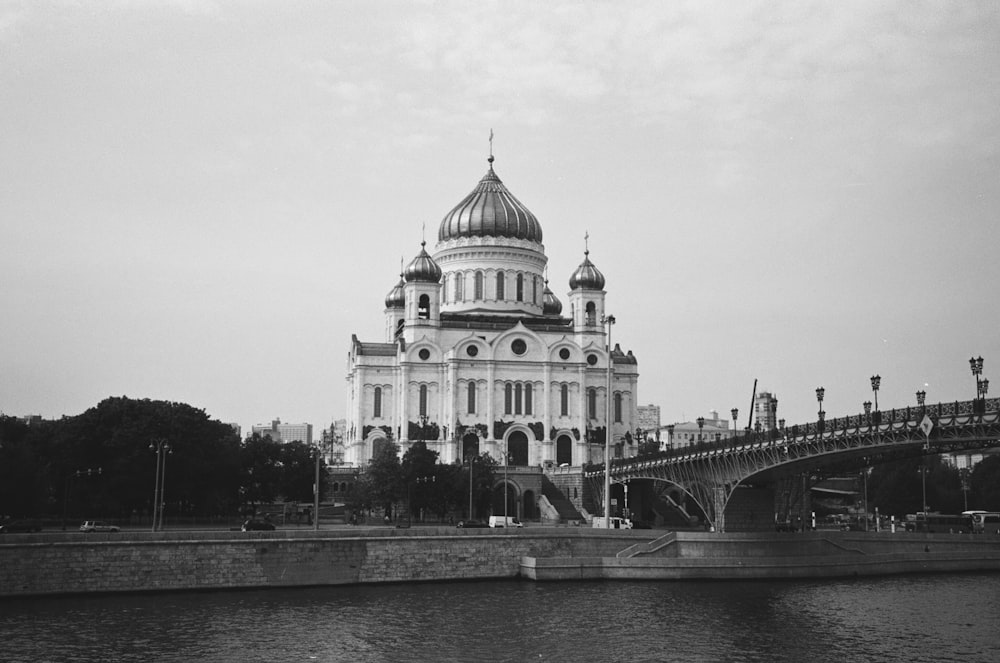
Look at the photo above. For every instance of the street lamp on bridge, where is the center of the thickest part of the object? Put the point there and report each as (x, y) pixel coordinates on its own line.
(820, 392)
(982, 386)
(736, 413)
(876, 382)
(868, 411)
(921, 398)
(701, 425)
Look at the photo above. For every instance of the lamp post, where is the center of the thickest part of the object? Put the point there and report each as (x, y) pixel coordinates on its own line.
(162, 448)
(609, 322)
(774, 414)
(736, 413)
(876, 382)
(820, 393)
(868, 411)
(701, 426)
(921, 398)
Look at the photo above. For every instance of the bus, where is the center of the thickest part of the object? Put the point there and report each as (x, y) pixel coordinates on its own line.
(986, 522)
(938, 522)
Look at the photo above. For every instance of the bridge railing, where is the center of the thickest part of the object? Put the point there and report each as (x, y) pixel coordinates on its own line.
(794, 434)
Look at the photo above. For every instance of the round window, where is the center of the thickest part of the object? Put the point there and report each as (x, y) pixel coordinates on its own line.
(472, 350)
(564, 353)
(592, 360)
(424, 354)
(519, 347)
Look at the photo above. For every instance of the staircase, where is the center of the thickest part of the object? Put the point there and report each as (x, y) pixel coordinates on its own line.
(567, 512)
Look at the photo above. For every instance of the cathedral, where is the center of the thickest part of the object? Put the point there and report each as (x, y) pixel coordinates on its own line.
(478, 355)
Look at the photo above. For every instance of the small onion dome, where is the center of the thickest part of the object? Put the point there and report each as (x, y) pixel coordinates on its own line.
(586, 276)
(396, 298)
(550, 303)
(490, 211)
(422, 268)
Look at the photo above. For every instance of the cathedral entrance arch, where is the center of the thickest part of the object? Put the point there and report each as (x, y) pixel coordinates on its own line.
(470, 446)
(564, 450)
(517, 448)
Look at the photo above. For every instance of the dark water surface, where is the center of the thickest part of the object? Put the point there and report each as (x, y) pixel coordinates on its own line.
(907, 618)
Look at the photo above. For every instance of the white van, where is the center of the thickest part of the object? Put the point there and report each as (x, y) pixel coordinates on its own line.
(505, 521)
(616, 523)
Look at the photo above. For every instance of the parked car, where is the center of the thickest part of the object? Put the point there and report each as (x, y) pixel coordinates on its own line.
(504, 521)
(257, 525)
(21, 526)
(471, 524)
(98, 526)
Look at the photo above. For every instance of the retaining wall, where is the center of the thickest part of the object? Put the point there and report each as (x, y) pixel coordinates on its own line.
(133, 561)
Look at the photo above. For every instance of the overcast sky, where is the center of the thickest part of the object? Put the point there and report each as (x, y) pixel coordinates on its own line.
(202, 201)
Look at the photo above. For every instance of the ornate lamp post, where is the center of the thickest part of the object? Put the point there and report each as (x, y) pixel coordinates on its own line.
(876, 382)
(609, 322)
(736, 413)
(921, 398)
(868, 411)
(774, 414)
(976, 364)
(162, 448)
(701, 425)
(820, 392)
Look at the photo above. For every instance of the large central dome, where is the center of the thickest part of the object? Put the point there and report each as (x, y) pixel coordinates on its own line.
(490, 211)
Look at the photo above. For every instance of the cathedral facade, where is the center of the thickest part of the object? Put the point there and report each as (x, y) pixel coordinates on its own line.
(479, 357)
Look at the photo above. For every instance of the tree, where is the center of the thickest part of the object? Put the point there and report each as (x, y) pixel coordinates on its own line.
(260, 467)
(298, 471)
(984, 484)
(385, 478)
(419, 470)
(897, 487)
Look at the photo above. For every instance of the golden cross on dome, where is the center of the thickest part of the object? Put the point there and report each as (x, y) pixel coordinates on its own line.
(586, 242)
(491, 142)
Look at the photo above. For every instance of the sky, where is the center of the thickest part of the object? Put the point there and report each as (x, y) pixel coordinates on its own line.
(202, 201)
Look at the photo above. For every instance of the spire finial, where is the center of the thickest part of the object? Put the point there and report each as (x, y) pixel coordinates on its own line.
(423, 234)
(400, 266)
(491, 148)
(586, 243)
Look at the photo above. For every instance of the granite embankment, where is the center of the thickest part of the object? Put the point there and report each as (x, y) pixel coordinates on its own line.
(48, 564)
(74, 563)
(757, 556)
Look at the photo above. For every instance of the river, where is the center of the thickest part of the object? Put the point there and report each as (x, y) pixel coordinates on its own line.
(931, 618)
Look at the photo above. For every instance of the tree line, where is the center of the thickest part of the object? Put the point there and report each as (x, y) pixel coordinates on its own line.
(99, 464)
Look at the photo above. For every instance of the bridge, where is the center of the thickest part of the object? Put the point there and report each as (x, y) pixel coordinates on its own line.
(795, 458)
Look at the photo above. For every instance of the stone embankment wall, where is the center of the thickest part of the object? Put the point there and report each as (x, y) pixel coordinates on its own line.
(756, 556)
(134, 561)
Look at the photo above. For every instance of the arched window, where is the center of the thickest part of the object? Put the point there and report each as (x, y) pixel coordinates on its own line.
(423, 400)
(472, 397)
(534, 289)
(377, 409)
(500, 286)
(591, 313)
(459, 286)
(527, 399)
(520, 287)
(564, 400)
(478, 285)
(517, 398)
(424, 307)
(618, 407)
(592, 403)
(508, 397)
